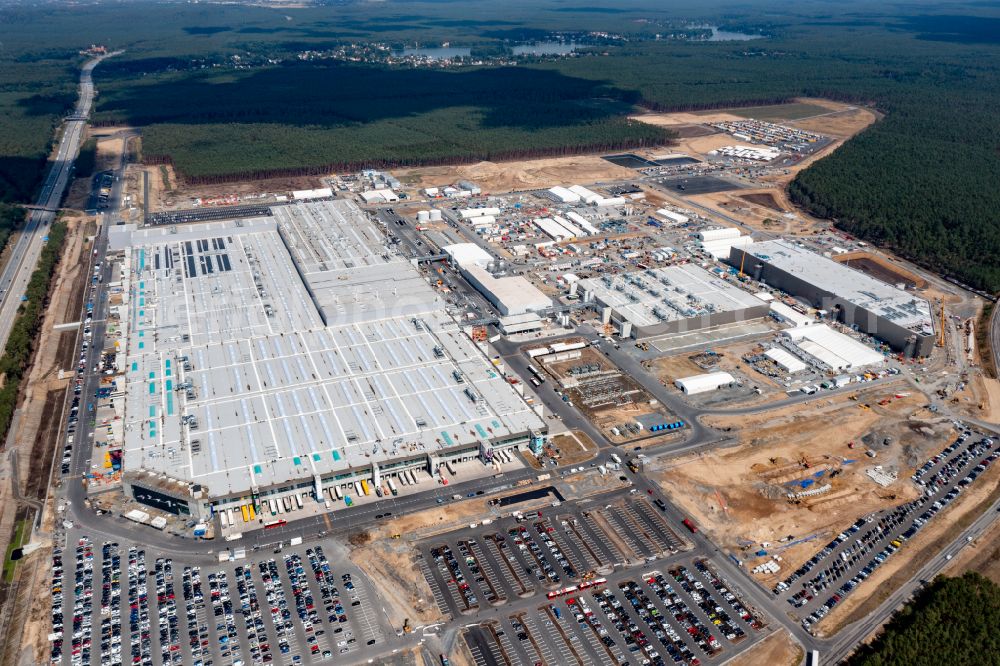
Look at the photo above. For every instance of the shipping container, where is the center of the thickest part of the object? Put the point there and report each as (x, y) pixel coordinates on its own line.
(246, 514)
(364, 487)
(392, 487)
(450, 467)
(298, 500)
(232, 516)
(357, 489)
(340, 495)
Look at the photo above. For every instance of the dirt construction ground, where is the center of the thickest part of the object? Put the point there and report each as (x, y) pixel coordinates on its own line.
(778, 649)
(516, 176)
(739, 494)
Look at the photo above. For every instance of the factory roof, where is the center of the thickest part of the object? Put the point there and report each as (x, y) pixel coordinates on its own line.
(655, 295)
(885, 300)
(833, 349)
(785, 360)
(468, 254)
(513, 294)
(238, 377)
(706, 382)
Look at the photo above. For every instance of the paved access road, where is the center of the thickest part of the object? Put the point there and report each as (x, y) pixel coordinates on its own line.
(17, 272)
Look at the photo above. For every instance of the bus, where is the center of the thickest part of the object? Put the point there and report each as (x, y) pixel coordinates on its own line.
(364, 487)
(246, 514)
(535, 371)
(275, 523)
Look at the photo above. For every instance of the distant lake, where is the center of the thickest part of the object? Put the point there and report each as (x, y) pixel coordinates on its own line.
(545, 48)
(724, 36)
(435, 52)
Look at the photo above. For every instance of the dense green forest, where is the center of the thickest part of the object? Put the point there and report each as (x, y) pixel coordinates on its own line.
(221, 93)
(11, 217)
(951, 621)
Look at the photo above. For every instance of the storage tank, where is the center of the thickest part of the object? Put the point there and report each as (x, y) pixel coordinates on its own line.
(435, 215)
(423, 216)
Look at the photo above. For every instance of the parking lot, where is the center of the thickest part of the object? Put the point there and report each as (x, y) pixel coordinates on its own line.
(683, 614)
(290, 608)
(830, 575)
(537, 551)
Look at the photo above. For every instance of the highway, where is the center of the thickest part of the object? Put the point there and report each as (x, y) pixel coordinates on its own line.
(17, 272)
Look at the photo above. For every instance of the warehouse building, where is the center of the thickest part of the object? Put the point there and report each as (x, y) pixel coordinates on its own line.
(893, 315)
(711, 381)
(786, 361)
(512, 295)
(831, 350)
(658, 301)
(291, 353)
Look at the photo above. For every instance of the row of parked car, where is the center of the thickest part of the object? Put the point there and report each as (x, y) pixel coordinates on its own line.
(883, 538)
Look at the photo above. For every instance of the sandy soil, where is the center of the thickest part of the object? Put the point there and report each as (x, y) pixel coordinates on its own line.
(778, 649)
(574, 446)
(988, 392)
(739, 494)
(845, 123)
(684, 118)
(914, 553)
(392, 568)
(520, 175)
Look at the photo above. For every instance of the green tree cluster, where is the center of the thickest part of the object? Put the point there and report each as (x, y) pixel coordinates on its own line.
(952, 621)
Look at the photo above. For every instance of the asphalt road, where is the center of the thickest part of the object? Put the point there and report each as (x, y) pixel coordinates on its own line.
(16, 274)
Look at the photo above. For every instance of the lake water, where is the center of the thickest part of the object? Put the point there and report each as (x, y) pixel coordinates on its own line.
(723, 36)
(545, 48)
(436, 52)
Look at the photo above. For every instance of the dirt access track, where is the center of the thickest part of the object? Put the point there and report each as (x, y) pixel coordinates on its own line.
(739, 494)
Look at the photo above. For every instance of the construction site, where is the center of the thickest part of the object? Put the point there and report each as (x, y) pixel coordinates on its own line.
(612, 401)
(795, 477)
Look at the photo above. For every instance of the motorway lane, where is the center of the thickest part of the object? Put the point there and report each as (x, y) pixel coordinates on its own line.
(17, 273)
